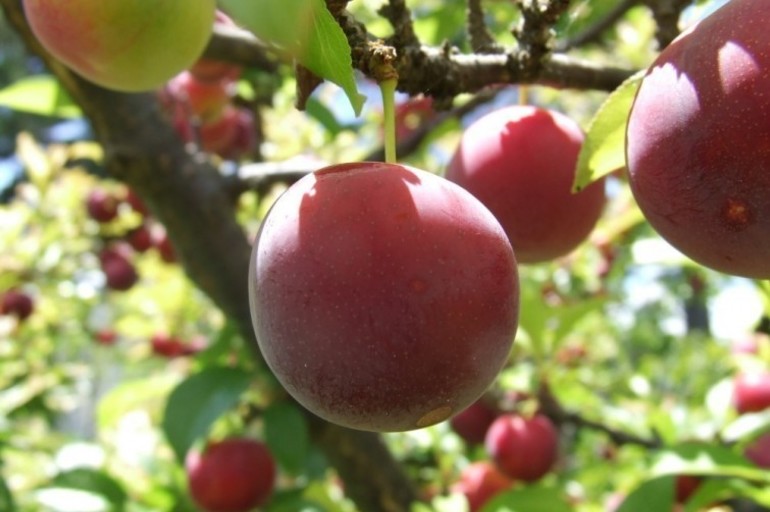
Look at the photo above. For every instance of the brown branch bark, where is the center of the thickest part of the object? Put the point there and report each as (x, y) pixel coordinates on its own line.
(187, 194)
(480, 38)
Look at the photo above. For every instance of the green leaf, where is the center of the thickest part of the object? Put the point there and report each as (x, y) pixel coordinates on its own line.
(93, 481)
(707, 459)
(6, 498)
(287, 435)
(306, 31)
(604, 148)
(528, 499)
(654, 494)
(41, 94)
(197, 402)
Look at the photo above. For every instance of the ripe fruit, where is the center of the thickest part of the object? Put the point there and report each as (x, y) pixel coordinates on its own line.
(233, 475)
(17, 303)
(523, 448)
(383, 297)
(411, 114)
(162, 243)
(207, 70)
(480, 482)
(106, 337)
(193, 97)
(685, 486)
(520, 162)
(101, 205)
(119, 272)
(140, 238)
(472, 423)
(751, 392)
(697, 141)
(759, 451)
(127, 45)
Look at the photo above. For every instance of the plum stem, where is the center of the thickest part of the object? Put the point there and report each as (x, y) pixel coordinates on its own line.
(388, 91)
(523, 95)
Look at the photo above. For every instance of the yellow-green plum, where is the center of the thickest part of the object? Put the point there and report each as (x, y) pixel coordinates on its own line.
(698, 141)
(125, 45)
(384, 297)
(520, 162)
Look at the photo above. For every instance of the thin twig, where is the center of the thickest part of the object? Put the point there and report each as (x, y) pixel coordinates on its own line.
(595, 31)
(481, 40)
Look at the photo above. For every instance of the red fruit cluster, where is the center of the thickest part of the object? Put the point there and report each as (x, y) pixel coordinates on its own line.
(17, 303)
(200, 103)
(102, 205)
(233, 475)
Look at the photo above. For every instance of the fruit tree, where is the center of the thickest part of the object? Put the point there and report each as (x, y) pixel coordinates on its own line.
(384, 255)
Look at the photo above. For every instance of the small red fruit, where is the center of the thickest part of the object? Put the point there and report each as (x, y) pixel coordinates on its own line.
(101, 205)
(520, 162)
(162, 243)
(17, 303)
(523, 448)
(685, 486)
(136, 203)
(480, 482)
(119, 272)
(234, 475)
(106, 337)
(167, 346)
(384, 297)
(751, 392)
(758, 451)
(140, 238)
(472, 423)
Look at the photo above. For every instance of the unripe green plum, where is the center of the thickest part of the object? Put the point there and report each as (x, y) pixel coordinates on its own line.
(698, 141)
(384, 298)
(520, 162)
(126, 45)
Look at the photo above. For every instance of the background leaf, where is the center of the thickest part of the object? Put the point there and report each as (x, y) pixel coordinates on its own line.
(93, 481)
(198, 401)
(287, 435)
(40, 94)
(528, 499)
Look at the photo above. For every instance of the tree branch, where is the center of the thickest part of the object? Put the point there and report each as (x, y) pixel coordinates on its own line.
(480, 38)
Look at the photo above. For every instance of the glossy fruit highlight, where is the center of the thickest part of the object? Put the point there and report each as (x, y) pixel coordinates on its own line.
(126, 45)
(520, 162)
(383, 297)
(698, 141)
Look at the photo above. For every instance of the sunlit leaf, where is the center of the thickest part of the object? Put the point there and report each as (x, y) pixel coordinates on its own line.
(603, 150)
(40, 94)
(307, 32)
(93, 481)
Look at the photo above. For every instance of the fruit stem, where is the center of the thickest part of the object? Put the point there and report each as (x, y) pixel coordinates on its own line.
(523, 95)
(388, 91)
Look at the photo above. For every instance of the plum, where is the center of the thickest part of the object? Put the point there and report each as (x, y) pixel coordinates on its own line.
(520, 162)
(698, 141)
(126, 45)
(384, 297)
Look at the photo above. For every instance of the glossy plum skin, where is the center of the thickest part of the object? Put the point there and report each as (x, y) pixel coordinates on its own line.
(126, 45)
(523, 448)
(384, 297)
(520, 162)
(232, 475)
(698, 141)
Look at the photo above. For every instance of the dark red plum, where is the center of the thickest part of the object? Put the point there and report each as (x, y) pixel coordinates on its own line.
(384, 297)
